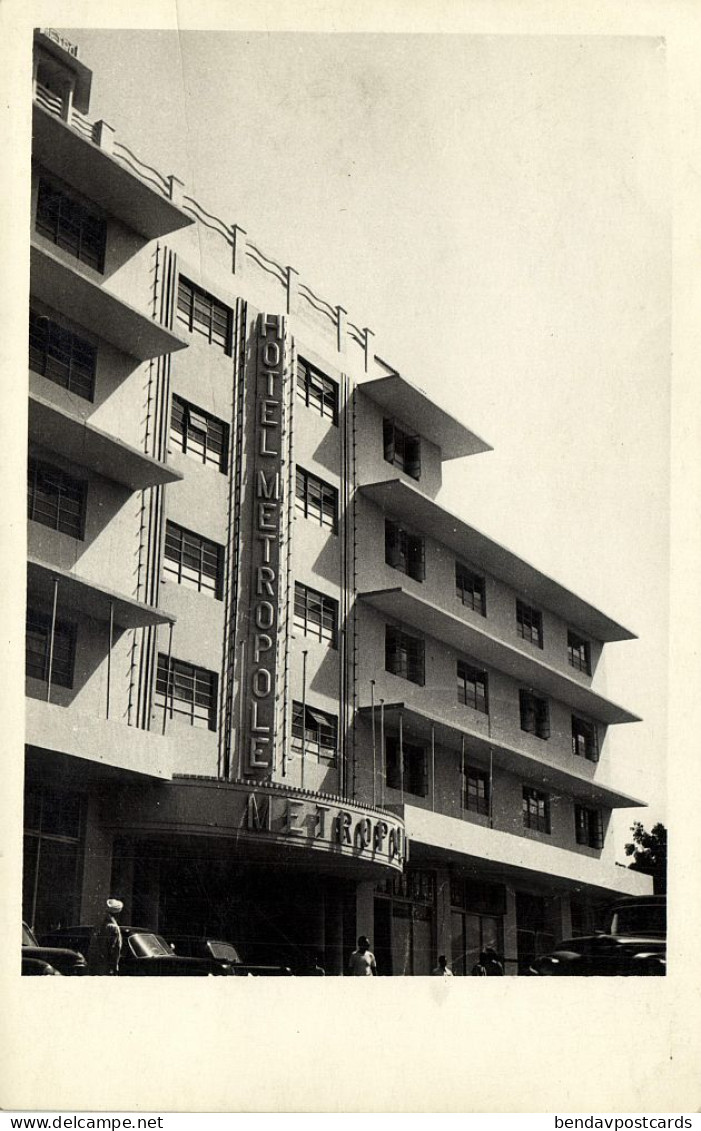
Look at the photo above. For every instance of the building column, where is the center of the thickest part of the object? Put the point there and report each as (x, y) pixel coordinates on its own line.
(561, 917)
(97, 865)
(333, 923)
(510, 934)
(443, 924)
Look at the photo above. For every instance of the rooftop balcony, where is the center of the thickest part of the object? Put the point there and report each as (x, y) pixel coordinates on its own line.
(408, 404)
(403, 500)
(434, 836)
(87, 156)
(432, 620)
(82, 443)
(65, 289)
(80, 594)
(421, 723)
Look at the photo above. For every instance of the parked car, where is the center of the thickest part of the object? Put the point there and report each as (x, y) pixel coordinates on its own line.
(218, 950)
(59, 959)
(144, 953)
(633, 943)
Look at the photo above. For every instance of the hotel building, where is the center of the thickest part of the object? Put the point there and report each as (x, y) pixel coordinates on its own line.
(275, 692)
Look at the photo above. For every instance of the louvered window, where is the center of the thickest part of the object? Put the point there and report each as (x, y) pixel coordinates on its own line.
(470, 588)
(405, 552)
(317, 390)
(202, 437)
(187, 691)
(589, 826)
(401, 449)
(71, 225)
(318, 728)
(414, 778)
(472, 687)
(193, 561)
(316, 499)
(316, 614)
(55, 499)
(204, 314)
(535, 714)
(41, 652)
(529, 623)
(536, 810)
(578, 653)
(476, 797)
(62, 356)
(404, 655)
(585, 739)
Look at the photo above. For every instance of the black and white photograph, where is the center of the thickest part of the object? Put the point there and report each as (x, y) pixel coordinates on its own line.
(349, 536)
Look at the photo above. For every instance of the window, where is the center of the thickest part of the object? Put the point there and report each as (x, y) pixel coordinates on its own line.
(589, 826)
(203, 314)
(71, 225)
(585, 740)
(535, 714)
(318, 728)
(40, 650)
(316, 500)
(182, 689)
(415, 767)
(404, 551)
(401, 449)
(476, 798)
(55, 499)
(315, 614)
(62, 356)
(199, 435)
(536, 810)
(529, 622)
(470, 589)
(578, 653)
(192, 560)
(317, 390)
(472, 687)
(404, 654)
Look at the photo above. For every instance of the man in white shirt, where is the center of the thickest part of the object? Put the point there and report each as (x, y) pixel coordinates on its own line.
(362, 961)
(442, 969)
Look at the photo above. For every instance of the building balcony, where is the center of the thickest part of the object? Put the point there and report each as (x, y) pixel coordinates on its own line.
(412, 609)
(65, 289)
(105, 744)
(84, 444)
(80, 594)
(423, 725)
(433, 836)
(409, 405)
(85, 155)
(404, 501)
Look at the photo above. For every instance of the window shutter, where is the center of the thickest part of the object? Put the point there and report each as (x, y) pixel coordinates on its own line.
(593, 752)
(424, 773)
(543, 719)
(393, 552)
(580, 824)
(412, 457)
(528, 713)
(388, 438)
(417, 558)
(598, 837)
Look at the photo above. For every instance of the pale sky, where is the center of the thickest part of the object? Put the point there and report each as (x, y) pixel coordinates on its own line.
(497, 210)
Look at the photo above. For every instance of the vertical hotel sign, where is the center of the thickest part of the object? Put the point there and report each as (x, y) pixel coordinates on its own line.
(267, 529)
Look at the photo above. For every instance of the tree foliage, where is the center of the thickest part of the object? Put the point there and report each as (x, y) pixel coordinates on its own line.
(649, 852)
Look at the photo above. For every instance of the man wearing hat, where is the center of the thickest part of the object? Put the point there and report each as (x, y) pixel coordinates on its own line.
(106, 941)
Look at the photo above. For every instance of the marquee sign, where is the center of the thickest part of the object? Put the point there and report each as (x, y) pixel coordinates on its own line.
(265, 548)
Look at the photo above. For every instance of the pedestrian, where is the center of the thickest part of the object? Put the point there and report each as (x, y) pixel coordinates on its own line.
(442, 969)
(490, 960)
(106, 941)
(362, 961)
(479, 970)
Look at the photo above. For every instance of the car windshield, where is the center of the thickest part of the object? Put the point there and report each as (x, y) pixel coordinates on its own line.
(644, 920)
(144, 944)
(27, 936)
(224, 951)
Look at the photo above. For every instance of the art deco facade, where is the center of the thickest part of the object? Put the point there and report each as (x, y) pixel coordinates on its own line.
(275, 692)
